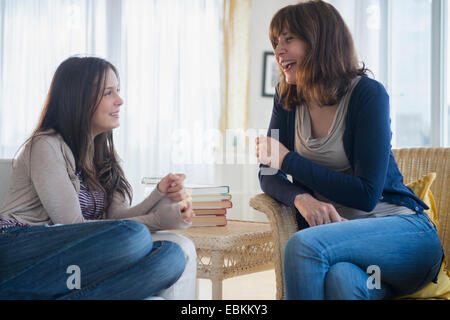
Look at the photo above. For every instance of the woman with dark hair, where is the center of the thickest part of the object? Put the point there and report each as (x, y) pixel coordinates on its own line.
(330, 131)
(67, 174)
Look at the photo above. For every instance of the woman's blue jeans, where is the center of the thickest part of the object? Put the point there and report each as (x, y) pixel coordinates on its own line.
(108, 259)
(373, 258)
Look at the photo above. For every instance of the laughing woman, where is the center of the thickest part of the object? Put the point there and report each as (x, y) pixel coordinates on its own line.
(333, 137)
(68, 202)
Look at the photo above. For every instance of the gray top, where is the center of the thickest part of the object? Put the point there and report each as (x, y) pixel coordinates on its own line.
(44, 190)
(329, 152)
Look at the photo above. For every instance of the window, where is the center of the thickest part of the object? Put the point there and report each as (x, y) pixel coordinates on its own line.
(399, 42)
(447, 105)
(410, 74)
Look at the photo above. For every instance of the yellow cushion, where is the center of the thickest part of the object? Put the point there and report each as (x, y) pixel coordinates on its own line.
(441, 289)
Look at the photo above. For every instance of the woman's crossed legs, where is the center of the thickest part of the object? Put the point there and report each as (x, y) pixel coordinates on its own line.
(373, 258)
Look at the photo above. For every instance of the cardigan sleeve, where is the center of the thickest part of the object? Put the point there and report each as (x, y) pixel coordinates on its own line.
(156, 211)
(164, 216)
(274, 182)
(120, 208)
(371, 147)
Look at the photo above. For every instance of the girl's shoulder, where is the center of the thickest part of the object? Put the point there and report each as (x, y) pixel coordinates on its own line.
(50, 136)
(42, 142)
(49, 143)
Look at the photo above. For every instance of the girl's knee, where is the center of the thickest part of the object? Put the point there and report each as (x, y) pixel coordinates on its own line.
(178, 257)
(136, 231)
(185, 243)
(130, 238)
(187, 247)
(174, 259)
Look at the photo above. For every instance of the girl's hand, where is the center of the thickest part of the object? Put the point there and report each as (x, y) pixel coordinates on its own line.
(172, 184)
(187, 213)
(270, 151)
(316, 212)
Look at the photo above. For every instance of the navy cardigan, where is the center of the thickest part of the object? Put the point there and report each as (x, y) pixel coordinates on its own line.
(367, 144)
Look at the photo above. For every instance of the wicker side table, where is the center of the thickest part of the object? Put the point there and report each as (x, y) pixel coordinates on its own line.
(241, 247)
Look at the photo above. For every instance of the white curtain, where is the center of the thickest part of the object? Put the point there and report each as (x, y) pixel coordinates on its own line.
(36, 36)
(168, 53)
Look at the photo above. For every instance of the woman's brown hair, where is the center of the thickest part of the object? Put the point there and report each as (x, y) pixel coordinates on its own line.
(75, 93)
(330, 63)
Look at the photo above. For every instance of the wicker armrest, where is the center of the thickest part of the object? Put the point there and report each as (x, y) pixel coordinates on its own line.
(284, 225)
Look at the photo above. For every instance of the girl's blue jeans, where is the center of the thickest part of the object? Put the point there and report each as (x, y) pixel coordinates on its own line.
(113, 259)
(373, 258)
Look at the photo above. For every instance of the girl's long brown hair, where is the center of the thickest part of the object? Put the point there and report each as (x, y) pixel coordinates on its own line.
(75, 93)
(330, 63)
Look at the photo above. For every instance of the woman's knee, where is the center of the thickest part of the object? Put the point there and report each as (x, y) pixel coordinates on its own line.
(346, 281)
(300, 244)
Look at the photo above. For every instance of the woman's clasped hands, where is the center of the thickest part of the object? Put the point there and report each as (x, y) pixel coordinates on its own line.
(172, 185)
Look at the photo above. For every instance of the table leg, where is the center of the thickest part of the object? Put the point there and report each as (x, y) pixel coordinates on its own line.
(216, 289)
(197, 288)
(217, 258)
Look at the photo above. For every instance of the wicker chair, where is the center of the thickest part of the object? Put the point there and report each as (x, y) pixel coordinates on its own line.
(413, 163)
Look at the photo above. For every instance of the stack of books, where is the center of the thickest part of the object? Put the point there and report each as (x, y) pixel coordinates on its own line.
(210, 204)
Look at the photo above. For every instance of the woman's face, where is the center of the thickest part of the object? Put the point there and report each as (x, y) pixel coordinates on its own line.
(289, 52)
(106, 117)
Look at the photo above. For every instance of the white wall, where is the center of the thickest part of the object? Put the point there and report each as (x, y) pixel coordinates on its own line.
(262, 11)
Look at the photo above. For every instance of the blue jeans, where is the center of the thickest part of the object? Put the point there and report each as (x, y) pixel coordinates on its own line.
(114, 259)
(373, 258)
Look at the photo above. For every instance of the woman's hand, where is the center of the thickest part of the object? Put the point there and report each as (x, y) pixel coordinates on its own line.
(187, 213)
(270, 152)
(172, 184)
(316, 212)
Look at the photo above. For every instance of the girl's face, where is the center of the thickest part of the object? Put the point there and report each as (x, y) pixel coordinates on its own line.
(106, 117)
(289, 52)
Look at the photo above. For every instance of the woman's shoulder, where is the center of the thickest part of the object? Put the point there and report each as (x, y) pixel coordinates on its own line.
(278, 107)
(367, 86)
(369, 99)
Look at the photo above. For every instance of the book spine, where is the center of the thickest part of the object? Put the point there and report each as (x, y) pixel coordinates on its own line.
(224, 204)
(201, 212)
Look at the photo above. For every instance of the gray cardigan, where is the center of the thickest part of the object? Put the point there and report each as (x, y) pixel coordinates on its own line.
(44, 189)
